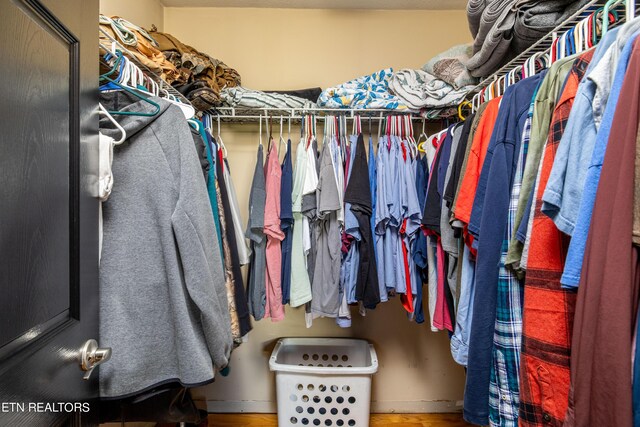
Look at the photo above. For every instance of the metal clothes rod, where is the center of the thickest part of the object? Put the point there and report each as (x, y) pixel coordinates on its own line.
(243, 114)
(278, 116)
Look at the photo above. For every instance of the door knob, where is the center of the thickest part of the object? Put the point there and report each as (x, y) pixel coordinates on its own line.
(91, 356)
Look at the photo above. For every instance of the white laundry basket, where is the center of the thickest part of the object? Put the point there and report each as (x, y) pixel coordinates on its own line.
(323, 381)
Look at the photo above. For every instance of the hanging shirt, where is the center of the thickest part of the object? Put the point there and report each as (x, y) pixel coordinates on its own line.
(273, 176)
(350, 249)
(573, 266)
(243, 254)
(256, 289)
(563, 202)
(574, 151)
(546, 99)
(478, 150)
(549, 309)
(378, 217)
(419, 247)
(359, 197)
(382, 211)
(456, 161)
(601, 374)
(286, 222)
(432, 207)
(300, 284)
(373, 190)
(504, 380)
(488, 224)
(309, 205)
(211, 186)
(230, 246)
(325, 289)
(448, 241)
(472, 132)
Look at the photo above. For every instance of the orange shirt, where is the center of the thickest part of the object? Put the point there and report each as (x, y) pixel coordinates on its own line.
(477, 153)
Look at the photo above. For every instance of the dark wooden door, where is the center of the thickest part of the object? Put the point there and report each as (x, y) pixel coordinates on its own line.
(48, 211)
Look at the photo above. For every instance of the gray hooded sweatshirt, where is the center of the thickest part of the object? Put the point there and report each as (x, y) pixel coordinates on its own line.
(163, 303)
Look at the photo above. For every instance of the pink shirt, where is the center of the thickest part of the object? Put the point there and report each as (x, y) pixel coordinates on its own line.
(273, 176)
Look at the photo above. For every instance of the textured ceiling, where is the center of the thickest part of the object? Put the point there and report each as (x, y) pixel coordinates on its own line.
(323, 4)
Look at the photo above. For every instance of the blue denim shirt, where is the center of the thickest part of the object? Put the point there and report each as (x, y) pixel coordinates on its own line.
(575, 255)
(561, 197)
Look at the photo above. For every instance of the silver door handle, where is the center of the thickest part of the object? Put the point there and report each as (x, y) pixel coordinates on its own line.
(91, 356)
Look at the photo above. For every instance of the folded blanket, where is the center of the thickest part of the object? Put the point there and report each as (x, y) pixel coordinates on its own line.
(507, 27)
(449, 66)
(243, 97)
(419, 89)
(474, 14)
(364, 92)
(491, 16)
(195, 65)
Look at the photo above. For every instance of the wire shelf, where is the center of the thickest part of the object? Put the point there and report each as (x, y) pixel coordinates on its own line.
(544, 44)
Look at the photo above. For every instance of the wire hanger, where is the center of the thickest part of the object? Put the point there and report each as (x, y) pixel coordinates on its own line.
(281, 137)
(220, 142)
(421, 144)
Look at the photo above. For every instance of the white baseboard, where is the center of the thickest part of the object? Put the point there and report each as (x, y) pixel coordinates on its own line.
(382, 407)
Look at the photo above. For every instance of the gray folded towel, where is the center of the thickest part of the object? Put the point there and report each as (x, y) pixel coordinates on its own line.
(508, 27)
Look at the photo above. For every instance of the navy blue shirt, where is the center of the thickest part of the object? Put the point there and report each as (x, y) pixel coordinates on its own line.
(488, 222)
(286, 222)
(419, 247)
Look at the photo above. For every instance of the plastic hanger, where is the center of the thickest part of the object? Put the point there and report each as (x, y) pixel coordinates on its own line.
(188, 110)
(412, 142)
(605, 14)
(106, 77)
(103, 111)
(194, 123)
(464, 103)
(260, 132)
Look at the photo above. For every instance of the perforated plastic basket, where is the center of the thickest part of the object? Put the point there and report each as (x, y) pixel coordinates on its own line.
(323, 381)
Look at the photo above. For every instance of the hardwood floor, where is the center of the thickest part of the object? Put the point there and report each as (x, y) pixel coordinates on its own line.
(377, 420)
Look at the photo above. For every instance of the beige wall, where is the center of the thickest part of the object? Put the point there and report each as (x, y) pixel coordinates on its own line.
(289, 49)
(297, 48)
(141, 12)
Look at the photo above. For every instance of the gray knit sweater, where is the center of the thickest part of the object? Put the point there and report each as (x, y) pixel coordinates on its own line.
(163, 307)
